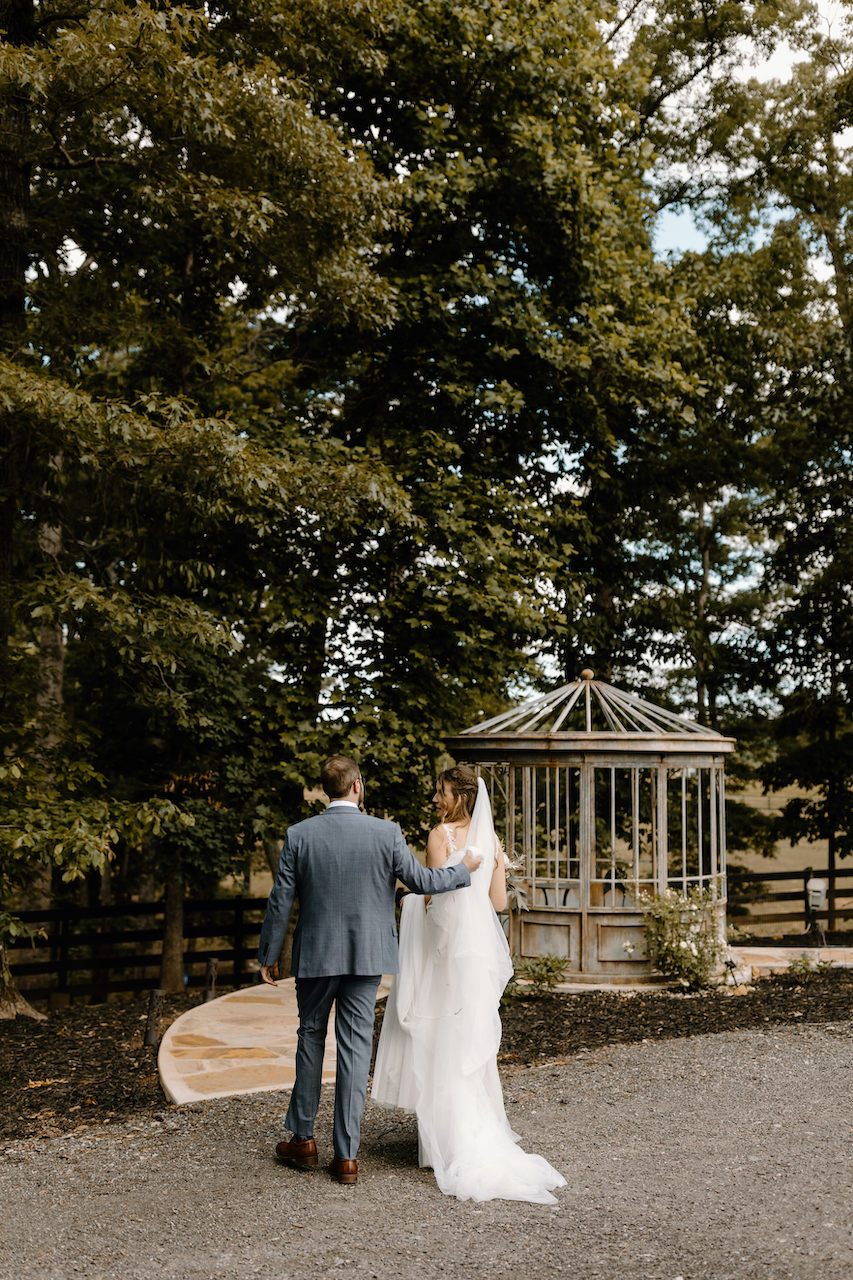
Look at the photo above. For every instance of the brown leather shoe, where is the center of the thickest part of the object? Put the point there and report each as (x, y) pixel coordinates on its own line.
(344, 1171)
(299, 1154)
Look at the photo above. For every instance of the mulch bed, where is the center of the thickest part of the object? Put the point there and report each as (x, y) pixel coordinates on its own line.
(88, 1065)
(554, 1026)
(83, 1065)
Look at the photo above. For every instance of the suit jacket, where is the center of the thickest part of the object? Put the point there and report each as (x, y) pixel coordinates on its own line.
(343, 866)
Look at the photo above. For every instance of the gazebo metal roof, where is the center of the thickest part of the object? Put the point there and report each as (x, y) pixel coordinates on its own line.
(587, 716)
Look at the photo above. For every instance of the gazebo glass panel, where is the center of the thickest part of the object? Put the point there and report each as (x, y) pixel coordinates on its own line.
(625, 834)
(547, 827)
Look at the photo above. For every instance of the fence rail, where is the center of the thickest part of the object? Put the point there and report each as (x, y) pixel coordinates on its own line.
(831, 914)
(92, 951)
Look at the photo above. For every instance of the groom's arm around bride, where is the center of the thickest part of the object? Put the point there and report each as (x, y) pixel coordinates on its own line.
(343, 866)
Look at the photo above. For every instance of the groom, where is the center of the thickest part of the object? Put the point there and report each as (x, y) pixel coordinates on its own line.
(343, 866)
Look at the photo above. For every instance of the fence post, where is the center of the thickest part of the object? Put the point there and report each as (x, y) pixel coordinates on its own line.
(64, 930)
(831, 923)
(810, 917)
(238, 942)
(813, 926)
(155, 1011)
(210, 978)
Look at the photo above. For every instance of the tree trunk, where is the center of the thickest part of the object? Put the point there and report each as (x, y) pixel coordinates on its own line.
(51, 663)
(832, 917)
(146, 872)
(12, 1003)
(701, 646)
(17, 22)
(835, 779)
(172, 966)
(605, 616)
(828, 222)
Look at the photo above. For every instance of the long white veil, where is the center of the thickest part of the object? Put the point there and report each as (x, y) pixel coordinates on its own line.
(440, 1037)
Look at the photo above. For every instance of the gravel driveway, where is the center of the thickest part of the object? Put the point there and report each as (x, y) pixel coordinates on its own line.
(719, 1157)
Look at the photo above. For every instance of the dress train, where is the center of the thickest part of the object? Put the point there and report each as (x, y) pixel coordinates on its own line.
(437, 1053)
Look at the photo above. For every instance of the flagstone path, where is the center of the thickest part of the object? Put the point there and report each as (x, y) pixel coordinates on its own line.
(242, 1042)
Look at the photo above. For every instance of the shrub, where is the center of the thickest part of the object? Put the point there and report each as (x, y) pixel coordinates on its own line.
(543, 973)
(683, 938)
(802, 968)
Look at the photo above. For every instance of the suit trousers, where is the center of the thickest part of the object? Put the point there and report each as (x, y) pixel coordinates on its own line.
(354, 998)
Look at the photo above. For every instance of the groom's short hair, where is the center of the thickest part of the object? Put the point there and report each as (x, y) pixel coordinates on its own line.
(337, 776)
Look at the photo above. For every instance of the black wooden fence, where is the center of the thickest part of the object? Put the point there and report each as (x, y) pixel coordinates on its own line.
(92, 951)
(794, 902)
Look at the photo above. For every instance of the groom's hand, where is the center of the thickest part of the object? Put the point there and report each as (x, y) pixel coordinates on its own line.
(471, 860)
(269, 973)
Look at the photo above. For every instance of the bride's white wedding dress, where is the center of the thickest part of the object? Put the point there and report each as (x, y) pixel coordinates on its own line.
(438, 1049)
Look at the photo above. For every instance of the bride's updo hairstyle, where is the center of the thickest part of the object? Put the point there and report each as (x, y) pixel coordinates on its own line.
(462, 782)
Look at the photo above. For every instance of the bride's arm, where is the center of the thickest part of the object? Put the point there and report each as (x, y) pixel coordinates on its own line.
(437, 850)
(497, 885)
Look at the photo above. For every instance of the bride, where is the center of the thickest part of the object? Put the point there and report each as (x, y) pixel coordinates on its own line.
(440, 1036)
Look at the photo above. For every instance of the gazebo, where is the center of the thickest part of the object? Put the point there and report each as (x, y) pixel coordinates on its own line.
(600, 797)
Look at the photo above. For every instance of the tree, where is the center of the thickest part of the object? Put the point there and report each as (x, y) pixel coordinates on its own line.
(788, 153)
(163, 185)
(531, 325)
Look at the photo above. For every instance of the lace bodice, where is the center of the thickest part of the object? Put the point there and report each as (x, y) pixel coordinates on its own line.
(454, 848)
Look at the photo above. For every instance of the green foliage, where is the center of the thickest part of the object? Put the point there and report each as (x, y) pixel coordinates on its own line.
(540, 974)
(70, 827)
(745, 564)
(804, 166)
(342, 395)
(532, 329)
(165, 184)
(802, 969)
(683, 937)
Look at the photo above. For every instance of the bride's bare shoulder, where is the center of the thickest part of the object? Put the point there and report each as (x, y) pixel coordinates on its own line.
(438, 847)
(438, 836)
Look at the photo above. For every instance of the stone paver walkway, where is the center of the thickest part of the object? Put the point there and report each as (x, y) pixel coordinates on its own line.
(242, 1042)
(767, 960)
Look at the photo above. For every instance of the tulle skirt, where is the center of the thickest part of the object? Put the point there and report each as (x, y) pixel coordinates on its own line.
(438, 1049)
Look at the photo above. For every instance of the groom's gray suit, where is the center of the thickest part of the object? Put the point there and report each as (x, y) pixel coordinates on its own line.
(343, 866)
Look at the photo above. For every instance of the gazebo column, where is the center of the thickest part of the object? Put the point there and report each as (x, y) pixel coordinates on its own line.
(712, 772)
(513, 853)
(661, 843)
(722, 821)
(586, 851)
